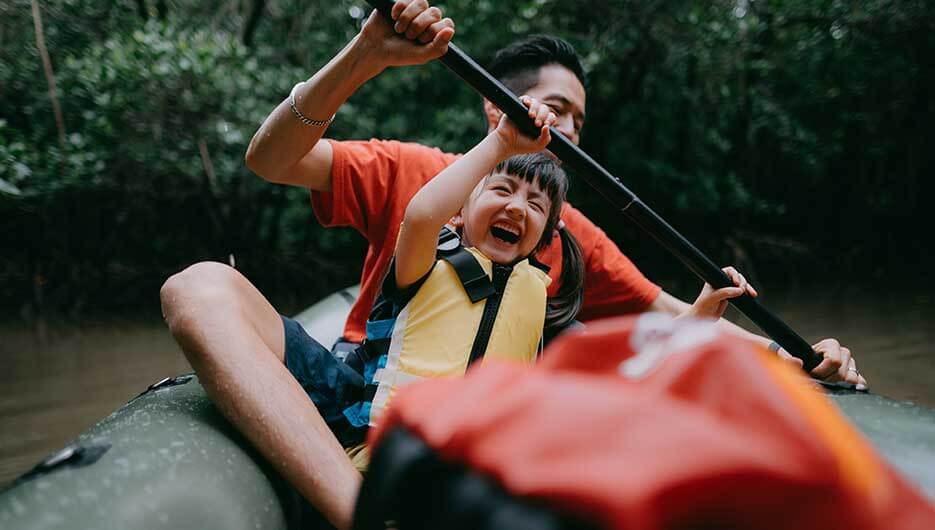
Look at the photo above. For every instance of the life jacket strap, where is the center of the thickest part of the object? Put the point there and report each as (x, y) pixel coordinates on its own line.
(501, 275)
(448, 240)
(476, 283)
(369, 391)
(371, 349)
(366, 352)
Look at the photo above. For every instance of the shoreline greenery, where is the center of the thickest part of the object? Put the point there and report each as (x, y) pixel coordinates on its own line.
(793, 138)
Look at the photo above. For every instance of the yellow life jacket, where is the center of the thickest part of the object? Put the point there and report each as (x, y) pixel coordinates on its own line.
(466, 309)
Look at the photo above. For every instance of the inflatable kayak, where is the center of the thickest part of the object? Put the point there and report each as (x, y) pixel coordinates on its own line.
(168, 459)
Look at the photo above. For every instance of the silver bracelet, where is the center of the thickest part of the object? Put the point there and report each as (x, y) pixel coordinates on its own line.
(301, 117)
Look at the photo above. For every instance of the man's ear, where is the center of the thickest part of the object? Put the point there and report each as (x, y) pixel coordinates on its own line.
(492, 113)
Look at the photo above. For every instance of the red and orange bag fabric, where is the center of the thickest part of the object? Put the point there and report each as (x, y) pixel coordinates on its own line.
(653, 423)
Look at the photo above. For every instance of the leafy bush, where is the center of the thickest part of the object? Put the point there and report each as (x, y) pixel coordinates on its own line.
(771, 125)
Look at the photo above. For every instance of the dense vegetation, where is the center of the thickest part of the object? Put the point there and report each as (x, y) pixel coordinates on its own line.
(793, 137)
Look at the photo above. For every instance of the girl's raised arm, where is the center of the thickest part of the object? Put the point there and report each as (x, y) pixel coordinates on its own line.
(442, 197)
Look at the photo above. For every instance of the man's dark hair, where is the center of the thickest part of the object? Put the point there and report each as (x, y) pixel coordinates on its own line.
(517, 65)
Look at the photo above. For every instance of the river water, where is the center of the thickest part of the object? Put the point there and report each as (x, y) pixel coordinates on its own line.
(51, 391)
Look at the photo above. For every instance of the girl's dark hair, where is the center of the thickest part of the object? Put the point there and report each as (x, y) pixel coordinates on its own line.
(564, 307)
(542, 170)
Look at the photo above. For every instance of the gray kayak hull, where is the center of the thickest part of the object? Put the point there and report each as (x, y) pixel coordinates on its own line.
(173, 462)
(168, 459)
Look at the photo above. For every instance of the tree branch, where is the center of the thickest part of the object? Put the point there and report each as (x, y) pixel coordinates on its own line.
(49, 73)
(141, 8)
(252, 22)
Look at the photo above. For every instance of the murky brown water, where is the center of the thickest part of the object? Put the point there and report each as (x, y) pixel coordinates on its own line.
(892, 335)
(51, 392)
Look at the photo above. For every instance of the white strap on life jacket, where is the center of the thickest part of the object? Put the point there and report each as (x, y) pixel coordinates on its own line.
(395, 378)
(387, 380)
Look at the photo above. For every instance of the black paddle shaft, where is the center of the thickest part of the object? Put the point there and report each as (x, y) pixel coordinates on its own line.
(614, 191)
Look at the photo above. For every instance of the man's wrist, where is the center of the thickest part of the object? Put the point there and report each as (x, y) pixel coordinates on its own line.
(344, 74)
(368, 59)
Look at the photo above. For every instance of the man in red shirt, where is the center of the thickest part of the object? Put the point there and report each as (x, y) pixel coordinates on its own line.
(236, 341)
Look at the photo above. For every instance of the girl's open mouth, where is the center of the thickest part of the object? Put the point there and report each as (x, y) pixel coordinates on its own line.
(504, 235)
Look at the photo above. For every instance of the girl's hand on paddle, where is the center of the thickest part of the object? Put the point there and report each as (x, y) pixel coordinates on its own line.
(420, 33)
(712, 302)
(515, 142)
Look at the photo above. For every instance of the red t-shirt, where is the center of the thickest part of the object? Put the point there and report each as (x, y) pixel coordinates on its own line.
(371, 185)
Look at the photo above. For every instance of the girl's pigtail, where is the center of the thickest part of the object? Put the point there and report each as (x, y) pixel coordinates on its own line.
(563, 308)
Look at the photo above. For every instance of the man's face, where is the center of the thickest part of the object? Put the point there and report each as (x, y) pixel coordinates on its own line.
(560, 89)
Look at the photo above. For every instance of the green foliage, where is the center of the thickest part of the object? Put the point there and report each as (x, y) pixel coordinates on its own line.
(151, 176)
(766, 122)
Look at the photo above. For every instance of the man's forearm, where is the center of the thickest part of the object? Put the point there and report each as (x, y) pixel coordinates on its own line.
(667, 303)
(732, 328)
(282, 140)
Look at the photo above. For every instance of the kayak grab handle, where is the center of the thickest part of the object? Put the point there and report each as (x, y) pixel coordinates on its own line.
(72, 455)
(167, 382)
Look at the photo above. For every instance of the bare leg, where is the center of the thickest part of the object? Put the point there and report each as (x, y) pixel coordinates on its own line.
(234, 340)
